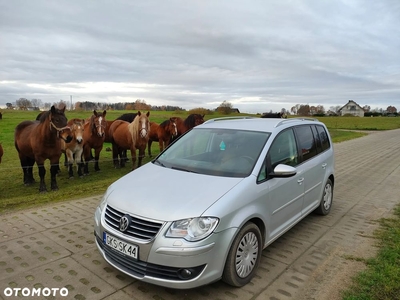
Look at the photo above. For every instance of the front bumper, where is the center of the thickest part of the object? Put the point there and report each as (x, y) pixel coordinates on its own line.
(169, 262)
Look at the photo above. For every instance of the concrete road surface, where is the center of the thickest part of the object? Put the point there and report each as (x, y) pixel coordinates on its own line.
(53, 246)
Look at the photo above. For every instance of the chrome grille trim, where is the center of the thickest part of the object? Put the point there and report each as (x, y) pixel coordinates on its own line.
(139, 228)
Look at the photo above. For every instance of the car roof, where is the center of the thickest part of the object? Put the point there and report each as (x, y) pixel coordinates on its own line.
(255, 124)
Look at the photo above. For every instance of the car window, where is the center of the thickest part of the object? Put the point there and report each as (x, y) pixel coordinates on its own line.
(323, 136)
(306, 141)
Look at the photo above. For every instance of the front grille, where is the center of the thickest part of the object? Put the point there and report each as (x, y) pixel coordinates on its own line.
(138, 228)
(140, 268)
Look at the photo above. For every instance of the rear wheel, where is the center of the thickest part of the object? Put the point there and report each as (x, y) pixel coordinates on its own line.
(244, 256)
(326, 201)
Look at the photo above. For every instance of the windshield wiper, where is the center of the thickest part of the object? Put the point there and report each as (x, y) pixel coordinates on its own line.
(182, 169)
(159, 163)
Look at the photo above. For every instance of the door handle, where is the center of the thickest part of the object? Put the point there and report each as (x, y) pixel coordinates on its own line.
(324, 165)
(300, 181)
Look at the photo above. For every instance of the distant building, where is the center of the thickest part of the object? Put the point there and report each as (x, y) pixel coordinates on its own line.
(351, 108)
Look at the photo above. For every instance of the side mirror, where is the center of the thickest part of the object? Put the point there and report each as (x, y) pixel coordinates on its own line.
(283, 171)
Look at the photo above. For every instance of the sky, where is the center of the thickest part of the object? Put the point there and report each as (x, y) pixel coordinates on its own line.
(260, 56)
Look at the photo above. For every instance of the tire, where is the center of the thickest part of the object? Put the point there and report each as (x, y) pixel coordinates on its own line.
(326, 201)
(244, 256)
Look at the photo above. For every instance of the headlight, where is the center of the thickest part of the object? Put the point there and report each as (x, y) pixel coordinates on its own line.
(193, 229)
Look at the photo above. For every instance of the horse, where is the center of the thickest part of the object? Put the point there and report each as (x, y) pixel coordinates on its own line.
(162, 133)
(273, 115)
(128, 117)
(93, 138)
(1, 152)
(37, 141)
(130, 136)
(74, 149)
(191, 121)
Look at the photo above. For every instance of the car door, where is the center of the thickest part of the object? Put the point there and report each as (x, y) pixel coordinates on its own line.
(312, 166)
(285, 195)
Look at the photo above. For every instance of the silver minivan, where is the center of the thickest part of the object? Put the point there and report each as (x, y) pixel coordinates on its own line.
(206, 207)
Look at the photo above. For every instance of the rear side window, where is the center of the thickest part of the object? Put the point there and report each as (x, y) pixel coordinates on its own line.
(323, 137)
(306, 141)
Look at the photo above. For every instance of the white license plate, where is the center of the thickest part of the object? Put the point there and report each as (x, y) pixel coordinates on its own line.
(120, 245)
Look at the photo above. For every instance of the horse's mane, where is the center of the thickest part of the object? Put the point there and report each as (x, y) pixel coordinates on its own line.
(129, 117)
(164, 124)
(190, 121)
(133, 128)
(43, 116)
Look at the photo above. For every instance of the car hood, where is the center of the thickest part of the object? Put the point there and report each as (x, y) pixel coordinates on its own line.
(165, 194)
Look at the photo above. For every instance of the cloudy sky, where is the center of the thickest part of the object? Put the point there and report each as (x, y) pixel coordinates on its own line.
(258, 55)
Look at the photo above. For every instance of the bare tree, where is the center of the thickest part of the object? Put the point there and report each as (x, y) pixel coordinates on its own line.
(23, 103)
(36, 103)
(225, 108)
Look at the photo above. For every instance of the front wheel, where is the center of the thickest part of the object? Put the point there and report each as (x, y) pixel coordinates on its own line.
(326, 201)
(243, 257)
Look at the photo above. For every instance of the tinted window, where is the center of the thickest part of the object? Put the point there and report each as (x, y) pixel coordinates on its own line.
(306, 141)
(323, 136)
(317, 139)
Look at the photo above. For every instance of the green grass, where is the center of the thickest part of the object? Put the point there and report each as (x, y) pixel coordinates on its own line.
(381, 279)
(14, 195)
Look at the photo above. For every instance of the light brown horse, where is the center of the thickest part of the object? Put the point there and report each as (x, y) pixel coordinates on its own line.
(130, 136)
(37, 141)
(74, 149)
(93, 138)
(163, 134)
(191, 121)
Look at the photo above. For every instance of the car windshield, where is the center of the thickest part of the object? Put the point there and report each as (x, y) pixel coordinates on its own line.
(219, 152)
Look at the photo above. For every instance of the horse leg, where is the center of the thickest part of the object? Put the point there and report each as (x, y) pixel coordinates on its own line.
(161, 144)
(133, 155)
(70, 161)
(42, 173)
(141, 155)
(79, 162)
(115, 153)
(53, 173)
(149, 147)
(86, 154)
(96, 159)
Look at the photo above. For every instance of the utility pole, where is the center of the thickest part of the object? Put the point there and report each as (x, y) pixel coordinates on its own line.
(71, 101)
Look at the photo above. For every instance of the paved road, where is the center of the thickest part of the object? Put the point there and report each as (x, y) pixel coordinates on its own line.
(53, 246)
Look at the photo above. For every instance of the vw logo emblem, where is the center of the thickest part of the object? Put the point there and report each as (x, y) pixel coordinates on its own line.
(124, 223)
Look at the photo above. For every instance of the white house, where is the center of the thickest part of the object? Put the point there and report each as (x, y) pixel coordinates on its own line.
(351, 108)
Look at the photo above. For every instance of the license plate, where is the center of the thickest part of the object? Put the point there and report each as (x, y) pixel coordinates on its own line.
(120, 245)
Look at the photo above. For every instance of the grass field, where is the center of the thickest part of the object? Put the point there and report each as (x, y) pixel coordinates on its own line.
(14, 195)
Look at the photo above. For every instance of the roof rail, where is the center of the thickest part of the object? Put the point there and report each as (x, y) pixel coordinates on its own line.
(294, 119)
(229, 118)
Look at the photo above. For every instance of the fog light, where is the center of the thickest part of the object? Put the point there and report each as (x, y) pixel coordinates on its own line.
(185, 273)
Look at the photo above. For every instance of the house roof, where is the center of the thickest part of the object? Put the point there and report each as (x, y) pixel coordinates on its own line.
(351, 101)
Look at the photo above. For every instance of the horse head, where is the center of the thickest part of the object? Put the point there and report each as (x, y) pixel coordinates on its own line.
(77, 127)
(172, 127)
(144, 124)
(99, 123)
(58, 122)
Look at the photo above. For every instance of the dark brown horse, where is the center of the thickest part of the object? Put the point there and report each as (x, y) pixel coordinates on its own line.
(93, 138)
(1, 152)
(273, 115)
(191, 121)
(74, 149)
(130, 136)
(37, 141)
(162, 134)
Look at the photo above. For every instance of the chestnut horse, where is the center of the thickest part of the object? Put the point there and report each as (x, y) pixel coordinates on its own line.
(191, 121)
(93, 138)
(37, 141)
(162, 133)
(74, 149)
(130, 136)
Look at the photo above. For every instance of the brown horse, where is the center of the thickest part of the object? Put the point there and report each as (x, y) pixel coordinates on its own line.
(93, 138)
(1, 152)
(191, 121)
(74, 149)
(130, 136)
(37, 141)
(162, 134)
